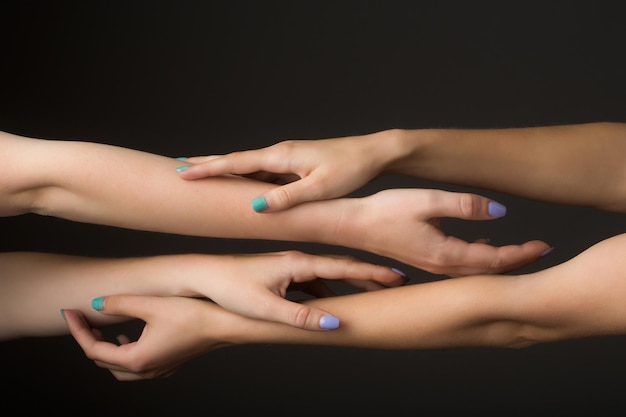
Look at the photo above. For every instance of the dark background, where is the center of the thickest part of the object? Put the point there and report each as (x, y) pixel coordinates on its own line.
(190, 78)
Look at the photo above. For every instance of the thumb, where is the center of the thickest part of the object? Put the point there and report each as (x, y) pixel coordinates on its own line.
(467, 206)
(286, 196)
(136, 306)
(299, 315)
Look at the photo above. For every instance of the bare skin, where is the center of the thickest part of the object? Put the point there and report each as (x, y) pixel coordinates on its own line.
(556, 164)
(580, 298)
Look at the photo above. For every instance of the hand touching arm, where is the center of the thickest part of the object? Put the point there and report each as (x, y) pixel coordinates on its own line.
(35, 286)
(103, 184)
(570, 164)
(582, 297)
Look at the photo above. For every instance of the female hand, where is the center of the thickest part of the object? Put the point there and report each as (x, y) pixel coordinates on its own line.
(255, 285)
(404, 224)
(176, 330)
(309, 169)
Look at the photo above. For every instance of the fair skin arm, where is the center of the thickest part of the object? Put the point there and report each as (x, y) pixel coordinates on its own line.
(580, 298)
(115, 186)
(555, 164)
(35, 286)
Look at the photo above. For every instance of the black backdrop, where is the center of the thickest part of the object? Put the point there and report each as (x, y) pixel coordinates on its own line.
(187, 78)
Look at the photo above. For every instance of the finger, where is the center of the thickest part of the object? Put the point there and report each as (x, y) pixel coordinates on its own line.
(289, 195)
(346, 267)
(244, 162)
(200, 159)
(101, 351)
(302, 316)
(92, 344)
(463, 258)
(135, 306)
(465, 206)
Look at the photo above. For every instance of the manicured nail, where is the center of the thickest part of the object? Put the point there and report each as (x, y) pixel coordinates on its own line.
(97, 303)
(329, 322)
(183, 168)
(62, 313)
(181, 158)
(546, 252)
(397, 271)
(496, 209)
(259, 204)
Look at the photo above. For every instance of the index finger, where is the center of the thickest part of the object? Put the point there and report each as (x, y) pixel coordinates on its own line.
(242, 162)
(463, 258)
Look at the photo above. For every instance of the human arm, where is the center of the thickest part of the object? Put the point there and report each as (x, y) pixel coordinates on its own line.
(35, 286)
(115, 186)
(581, 164)
(580, 298)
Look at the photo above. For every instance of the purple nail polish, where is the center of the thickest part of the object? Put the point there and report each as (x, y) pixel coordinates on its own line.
(329, 322)
(546, 252)
(496, 209)
(397, 271)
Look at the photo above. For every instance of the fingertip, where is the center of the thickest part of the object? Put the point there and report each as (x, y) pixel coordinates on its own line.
(328, 322)
(496, 209)
(546, 252)
(259, 204)
(97, 303)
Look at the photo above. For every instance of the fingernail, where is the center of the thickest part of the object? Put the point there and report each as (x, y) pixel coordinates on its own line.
(62, 313)
(402, 274)
(546, 252)
(181, 158)
(496, 209)
(97, 303)
(329, 322)
(183, 168)
(259, 204)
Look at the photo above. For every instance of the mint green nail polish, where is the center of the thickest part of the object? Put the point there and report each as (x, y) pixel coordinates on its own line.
(97, 303)
(181, 158)
(62, 313)
(183, 168)
(259, 204)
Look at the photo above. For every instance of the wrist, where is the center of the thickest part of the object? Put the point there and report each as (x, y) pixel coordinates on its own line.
(189, 277)
(409, 149)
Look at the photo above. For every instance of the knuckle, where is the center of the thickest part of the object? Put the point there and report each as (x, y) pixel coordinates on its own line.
(468, 204)
(303, 313)
(283, 196)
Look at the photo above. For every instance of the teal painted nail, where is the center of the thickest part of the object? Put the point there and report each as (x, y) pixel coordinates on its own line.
(183, 168)
(259, 204)
(62, 313)
(181, 158)
(97, 303)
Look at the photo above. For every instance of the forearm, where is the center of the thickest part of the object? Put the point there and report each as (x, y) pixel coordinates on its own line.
(457, 312)
(570, 164)
(580, 298)
(102, 184)
(35, 286)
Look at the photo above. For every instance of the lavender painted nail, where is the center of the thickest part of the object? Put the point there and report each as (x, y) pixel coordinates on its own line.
(329, 322)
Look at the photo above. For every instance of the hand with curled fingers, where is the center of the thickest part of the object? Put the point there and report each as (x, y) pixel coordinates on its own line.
(256, 285)
(404, 224)
(176, 330)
